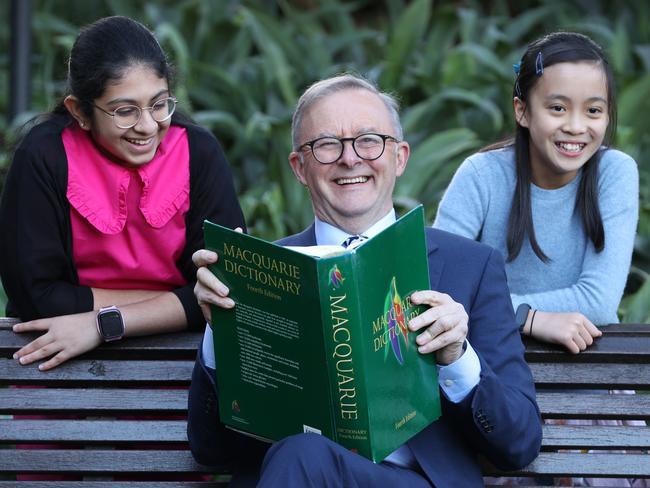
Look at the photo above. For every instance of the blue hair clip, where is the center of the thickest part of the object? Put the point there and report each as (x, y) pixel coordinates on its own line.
(517, 68)
(539, 64)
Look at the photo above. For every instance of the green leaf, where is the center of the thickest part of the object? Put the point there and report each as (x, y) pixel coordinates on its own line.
(409, 30)
(430, 156)
(637, 306)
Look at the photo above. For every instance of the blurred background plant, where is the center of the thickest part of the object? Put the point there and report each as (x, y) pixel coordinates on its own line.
(242, 63)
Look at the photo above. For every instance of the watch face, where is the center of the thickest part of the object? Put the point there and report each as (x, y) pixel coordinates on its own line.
(111, 324)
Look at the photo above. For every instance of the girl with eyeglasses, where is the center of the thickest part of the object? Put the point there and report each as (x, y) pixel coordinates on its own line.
(104, 202)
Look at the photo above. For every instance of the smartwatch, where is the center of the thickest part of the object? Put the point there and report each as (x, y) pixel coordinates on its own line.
(522, 315)
(110, 323)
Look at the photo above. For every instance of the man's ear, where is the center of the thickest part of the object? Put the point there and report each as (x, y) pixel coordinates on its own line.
(73, 106)
(298, 166)
(402, 157)
(521, 115)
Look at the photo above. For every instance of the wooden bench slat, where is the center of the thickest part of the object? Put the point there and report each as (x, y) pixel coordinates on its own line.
(85, 401)
(174, 431)
(595, 437)
(612, 348)
(605, 376)
(607, 465)
(118, 484)
(99, 461)
(93, 431)
(181, 345)
(92, 372)
(571, 405)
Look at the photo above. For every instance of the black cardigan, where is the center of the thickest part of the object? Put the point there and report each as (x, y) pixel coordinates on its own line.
(36, 262)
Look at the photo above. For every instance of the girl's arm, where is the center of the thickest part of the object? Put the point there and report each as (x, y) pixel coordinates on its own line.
(67, 336)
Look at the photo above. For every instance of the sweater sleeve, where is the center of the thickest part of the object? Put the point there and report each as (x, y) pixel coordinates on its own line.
(463, 207)
(599, 288)
(35, 255)
(212, 197)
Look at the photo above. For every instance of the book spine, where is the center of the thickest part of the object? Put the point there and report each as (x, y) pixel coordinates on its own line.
(344, 353)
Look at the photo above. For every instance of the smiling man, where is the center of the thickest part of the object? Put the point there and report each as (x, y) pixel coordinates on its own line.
(348, 149)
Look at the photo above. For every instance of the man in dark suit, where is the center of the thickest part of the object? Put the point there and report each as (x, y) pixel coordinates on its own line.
(348, 150)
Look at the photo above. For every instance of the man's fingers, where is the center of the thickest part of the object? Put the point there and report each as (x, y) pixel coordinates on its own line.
(208, 280)
(429, 297)
(203, 257)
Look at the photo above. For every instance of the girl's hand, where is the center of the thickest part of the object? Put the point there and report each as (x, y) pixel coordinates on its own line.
(65, 337)
(569, 329)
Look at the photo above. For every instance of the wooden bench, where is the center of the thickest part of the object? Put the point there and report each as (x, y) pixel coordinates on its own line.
(104, 392)
(135, 377)
(618, 360)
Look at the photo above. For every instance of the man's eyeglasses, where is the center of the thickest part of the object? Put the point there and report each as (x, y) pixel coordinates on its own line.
(127, 116)
(327, 150)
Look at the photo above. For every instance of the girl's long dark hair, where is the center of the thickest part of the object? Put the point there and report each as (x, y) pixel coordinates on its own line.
(559, 47)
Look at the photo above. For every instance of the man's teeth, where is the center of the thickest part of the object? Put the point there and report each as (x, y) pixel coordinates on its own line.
(571, 147)
(349, 181)
(139, 142)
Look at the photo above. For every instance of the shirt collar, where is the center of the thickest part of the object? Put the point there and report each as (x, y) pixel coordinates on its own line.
(327, 234)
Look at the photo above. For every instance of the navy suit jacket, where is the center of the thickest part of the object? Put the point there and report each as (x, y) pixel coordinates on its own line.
(499, 418)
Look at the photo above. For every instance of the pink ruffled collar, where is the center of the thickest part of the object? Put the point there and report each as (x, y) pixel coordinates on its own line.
(97, 186)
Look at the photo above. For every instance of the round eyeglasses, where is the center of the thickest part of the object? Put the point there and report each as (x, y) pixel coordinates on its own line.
(127, 116)
(327, 150)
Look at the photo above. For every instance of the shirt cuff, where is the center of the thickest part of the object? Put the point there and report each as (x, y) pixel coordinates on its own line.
(460, 377)
(208, 348)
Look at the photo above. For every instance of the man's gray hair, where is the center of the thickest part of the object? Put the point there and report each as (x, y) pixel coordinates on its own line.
(339, 83)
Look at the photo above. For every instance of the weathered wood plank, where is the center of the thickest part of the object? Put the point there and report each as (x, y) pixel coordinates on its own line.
(96, 401)
(116, 432)
(597, 375)
(93, 372)
(97, 461)
(572, 405)
(607, 465)
(116, 484)
(595, 437)
(179, 345)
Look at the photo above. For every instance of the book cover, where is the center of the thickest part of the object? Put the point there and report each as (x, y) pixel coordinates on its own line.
(320, 344)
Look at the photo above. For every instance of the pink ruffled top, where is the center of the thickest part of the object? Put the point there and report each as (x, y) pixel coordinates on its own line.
(128, 224)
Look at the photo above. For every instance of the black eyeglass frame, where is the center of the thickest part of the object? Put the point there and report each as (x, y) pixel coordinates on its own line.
(343, 140)
(140, 109)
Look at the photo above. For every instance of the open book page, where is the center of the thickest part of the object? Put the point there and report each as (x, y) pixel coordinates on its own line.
(319, 251)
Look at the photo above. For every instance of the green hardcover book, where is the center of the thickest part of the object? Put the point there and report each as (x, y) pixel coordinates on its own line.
(320, 344)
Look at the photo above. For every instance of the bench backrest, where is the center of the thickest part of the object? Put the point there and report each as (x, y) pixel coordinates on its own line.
(99, 402)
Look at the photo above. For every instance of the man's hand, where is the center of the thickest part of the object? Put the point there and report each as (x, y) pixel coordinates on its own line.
(569, 329)
(208, 289)
(443, 326)
(64, 337)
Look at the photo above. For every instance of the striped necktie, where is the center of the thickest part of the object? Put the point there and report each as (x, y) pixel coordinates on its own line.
(356, 240)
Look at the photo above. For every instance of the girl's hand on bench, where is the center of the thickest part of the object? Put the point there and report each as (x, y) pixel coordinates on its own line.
(572, 330)
(64, 337)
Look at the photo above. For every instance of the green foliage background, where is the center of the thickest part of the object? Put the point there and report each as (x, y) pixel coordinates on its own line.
(242, 63)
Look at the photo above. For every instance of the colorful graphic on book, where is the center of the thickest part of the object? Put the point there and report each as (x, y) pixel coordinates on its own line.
(395, 322)
(336, 279)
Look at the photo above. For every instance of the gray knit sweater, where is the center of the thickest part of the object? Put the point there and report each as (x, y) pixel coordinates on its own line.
(577, 278)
